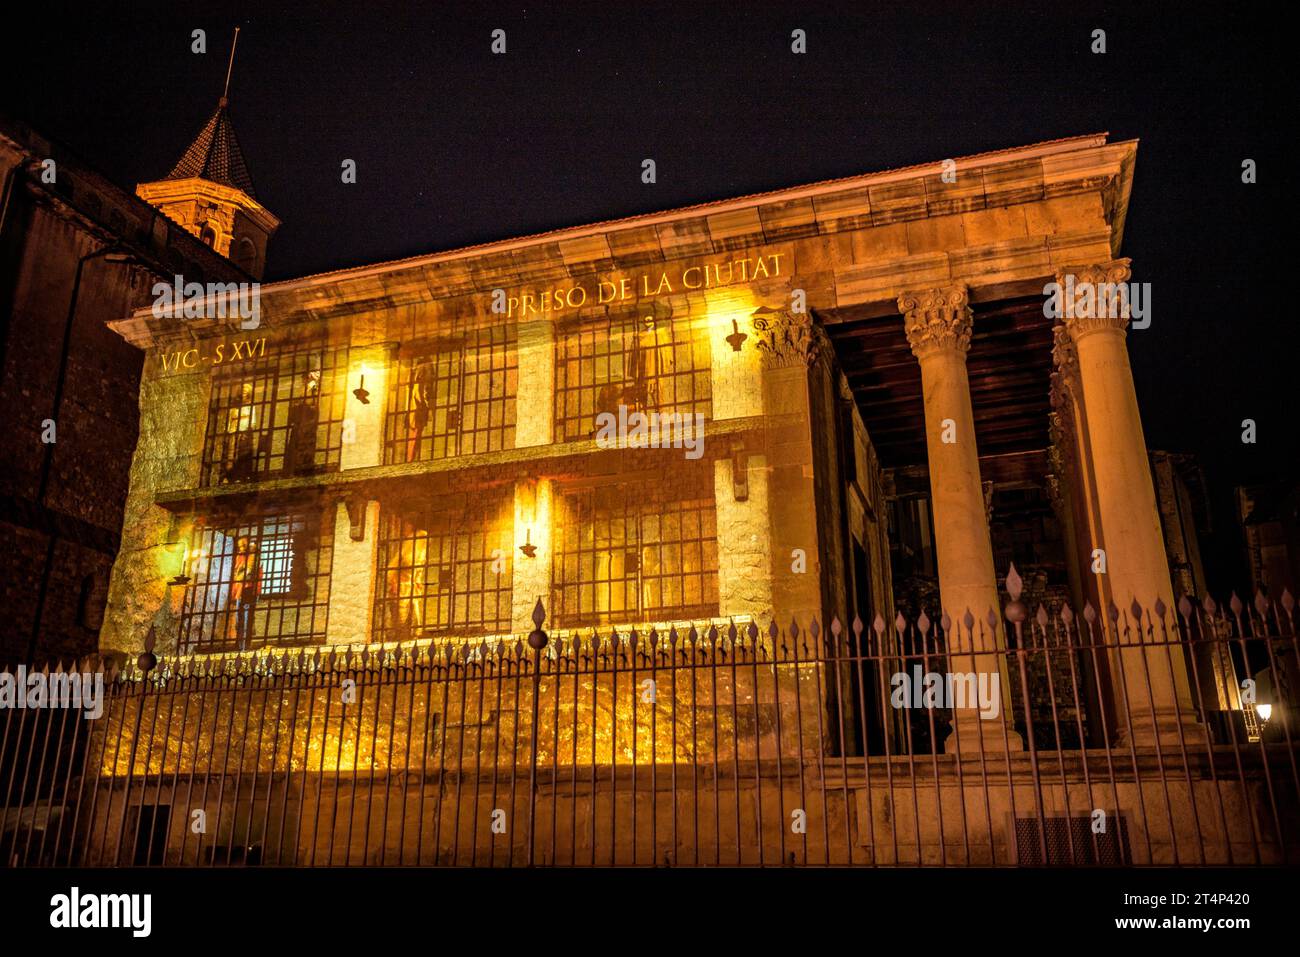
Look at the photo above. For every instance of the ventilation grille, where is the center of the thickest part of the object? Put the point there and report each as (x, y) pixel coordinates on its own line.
(1071, 841)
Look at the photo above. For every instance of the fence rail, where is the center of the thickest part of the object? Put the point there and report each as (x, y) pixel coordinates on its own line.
(736, 745)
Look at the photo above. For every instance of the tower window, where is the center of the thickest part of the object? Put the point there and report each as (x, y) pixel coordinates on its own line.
(246, 255)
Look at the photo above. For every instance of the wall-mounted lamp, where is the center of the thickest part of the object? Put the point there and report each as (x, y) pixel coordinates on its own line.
(361, 392)
(180, 578)
(528, 548)
(1256, 716)
(737, 338)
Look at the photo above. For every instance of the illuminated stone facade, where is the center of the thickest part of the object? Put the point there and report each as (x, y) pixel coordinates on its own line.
(415, 449)
(471, 482)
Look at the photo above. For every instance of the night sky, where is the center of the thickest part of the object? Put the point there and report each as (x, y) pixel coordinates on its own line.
(456, 146)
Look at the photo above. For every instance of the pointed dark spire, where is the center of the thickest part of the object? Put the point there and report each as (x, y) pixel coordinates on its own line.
(215, 155)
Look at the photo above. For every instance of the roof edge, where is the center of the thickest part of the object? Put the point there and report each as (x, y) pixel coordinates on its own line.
(809, 190)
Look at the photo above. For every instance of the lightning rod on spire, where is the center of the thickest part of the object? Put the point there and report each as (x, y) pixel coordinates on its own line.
(230, 67)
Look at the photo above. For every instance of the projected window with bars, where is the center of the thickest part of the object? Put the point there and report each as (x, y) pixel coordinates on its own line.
(276, 412)
(445, 570)
(644, 551)
(453, 397)
(661, 366)
(257, 582)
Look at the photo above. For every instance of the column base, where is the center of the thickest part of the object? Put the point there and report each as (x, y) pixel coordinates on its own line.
(1163, 730)
(972, 734)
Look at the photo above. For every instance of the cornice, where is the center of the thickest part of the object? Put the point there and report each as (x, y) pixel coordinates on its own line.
(990, 180)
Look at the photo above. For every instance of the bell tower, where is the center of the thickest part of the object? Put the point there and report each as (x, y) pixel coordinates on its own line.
(210, 193)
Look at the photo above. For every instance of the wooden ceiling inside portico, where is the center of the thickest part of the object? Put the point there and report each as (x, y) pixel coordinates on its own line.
(1009, 365)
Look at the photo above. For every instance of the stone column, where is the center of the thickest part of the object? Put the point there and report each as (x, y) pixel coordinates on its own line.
(1069, 434)
(1069, 487)
(938, 324)
(1155, 682)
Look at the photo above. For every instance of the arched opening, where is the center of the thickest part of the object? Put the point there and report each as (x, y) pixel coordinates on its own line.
(246, 255)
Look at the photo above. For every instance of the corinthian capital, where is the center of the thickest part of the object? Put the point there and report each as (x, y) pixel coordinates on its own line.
(937, 319)
(1094, 297)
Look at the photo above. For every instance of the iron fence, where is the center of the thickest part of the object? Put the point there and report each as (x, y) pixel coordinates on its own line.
(712, 744)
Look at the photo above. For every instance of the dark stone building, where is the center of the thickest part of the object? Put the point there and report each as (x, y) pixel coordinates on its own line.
(75, 252)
